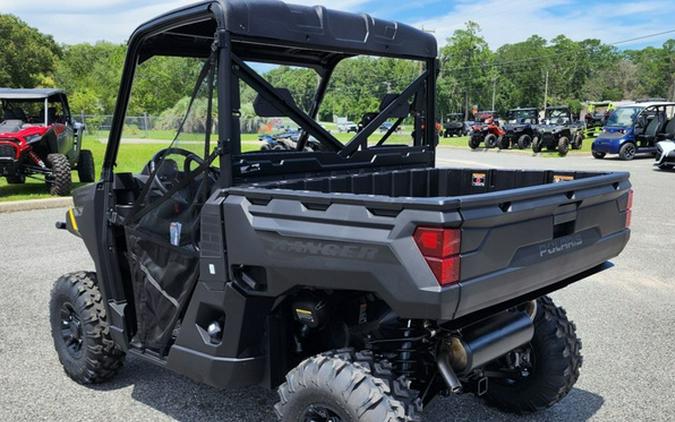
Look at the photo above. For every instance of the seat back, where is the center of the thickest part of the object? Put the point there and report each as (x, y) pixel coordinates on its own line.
(15, 114)
(655, 126)
(670, 127)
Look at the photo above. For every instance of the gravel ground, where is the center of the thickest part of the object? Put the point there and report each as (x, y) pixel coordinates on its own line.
(625, 317)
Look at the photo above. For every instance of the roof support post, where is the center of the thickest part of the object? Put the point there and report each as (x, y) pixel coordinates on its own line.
(225, 112)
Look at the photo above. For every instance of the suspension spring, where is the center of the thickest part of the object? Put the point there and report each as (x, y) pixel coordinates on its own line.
(405, 361)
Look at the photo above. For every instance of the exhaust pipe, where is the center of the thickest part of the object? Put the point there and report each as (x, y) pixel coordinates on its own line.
(484, 342)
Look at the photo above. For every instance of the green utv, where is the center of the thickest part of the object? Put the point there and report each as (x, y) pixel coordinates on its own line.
(357, 279)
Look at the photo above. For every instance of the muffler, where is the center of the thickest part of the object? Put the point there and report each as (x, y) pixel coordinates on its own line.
(487, 340)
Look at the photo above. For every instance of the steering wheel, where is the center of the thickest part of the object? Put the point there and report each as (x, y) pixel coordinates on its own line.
(156, 161)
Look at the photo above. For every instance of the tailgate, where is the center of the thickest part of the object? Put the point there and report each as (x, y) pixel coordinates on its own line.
(518, 241)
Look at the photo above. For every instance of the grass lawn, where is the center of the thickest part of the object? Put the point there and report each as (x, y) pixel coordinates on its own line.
(133, 156)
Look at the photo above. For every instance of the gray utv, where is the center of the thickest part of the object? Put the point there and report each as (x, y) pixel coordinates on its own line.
(357, 279)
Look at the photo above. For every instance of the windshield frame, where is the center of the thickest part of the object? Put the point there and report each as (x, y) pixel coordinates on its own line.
(637, 111)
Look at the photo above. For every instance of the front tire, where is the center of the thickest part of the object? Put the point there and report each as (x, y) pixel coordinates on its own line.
(524, 142)
(474, 142)
(16, 180)
(627, 151)
(60, 180)
(85, 167)
(491, 141)
(563, 146)
(503, 142)
(555, 355)
(349, 387)
(598, 155)
(80, 329)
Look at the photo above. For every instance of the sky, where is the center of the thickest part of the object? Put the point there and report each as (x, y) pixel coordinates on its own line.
(502, 22)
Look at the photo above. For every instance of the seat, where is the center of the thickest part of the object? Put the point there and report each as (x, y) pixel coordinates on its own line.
(668, 132)
(15, 114)
(653, 128)
(51, 115)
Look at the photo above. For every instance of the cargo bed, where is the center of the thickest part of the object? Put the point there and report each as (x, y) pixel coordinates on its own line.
(521, 232)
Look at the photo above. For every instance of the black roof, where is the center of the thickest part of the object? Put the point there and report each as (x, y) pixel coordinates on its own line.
(28, 94)
(257, 25)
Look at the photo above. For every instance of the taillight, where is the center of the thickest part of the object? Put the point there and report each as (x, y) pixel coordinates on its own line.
(440, 248)
(629, 208)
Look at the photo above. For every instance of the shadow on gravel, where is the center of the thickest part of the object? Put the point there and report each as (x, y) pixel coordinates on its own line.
(579, 405)
(183, 400)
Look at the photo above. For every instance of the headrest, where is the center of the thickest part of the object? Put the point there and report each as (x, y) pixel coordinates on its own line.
(264, 108)
(401, 111)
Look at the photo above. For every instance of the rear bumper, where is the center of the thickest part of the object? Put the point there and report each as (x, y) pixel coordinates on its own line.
(513, 282)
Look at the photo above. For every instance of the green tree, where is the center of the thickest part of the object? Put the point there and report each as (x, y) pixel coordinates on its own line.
(467, 61)
(27, 56)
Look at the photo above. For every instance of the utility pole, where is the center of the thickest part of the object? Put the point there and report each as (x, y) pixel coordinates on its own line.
(494, 93)
(546, 92)
(466, 105)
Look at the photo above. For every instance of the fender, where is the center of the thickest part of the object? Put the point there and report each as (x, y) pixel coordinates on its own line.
(666, 149)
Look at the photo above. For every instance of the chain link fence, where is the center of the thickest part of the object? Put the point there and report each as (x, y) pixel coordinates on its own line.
(146, 125)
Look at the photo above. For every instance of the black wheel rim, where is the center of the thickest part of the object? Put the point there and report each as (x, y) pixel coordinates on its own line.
(630, 151)
(71, 330)
(320, 413)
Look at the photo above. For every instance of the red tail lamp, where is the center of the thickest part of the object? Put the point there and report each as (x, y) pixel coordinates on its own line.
(440, 247)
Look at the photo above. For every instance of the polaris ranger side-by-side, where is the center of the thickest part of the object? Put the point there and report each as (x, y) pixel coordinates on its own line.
(358, 279)
(559, 131)
(520, 128)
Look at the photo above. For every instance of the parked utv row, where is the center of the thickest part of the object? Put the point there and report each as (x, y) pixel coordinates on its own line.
(39, 138)
(558, 131)
(358, 280)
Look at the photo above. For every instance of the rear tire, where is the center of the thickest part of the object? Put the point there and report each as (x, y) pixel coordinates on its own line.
(524, 142)
(563, 146)
(556, 355)
(347, 385)
(61, 179)
(598, 155)
(85, 167)
(80, 330)
(474, 142)
(536, 145)
(578, 141)
(503, 143)
(627, 151)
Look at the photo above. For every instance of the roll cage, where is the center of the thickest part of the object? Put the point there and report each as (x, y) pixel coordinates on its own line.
(235, 33)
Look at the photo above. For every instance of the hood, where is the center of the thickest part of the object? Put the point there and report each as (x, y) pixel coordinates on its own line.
(551, 128)
(610, 136)
(12, 129)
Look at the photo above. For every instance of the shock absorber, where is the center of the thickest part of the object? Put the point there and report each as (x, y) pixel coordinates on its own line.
(38, 162)
(405, 362)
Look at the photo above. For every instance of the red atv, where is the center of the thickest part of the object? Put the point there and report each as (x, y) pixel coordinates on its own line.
(489, 132)
(38, 137)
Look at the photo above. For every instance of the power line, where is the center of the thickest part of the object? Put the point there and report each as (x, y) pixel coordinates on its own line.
(644, 37)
